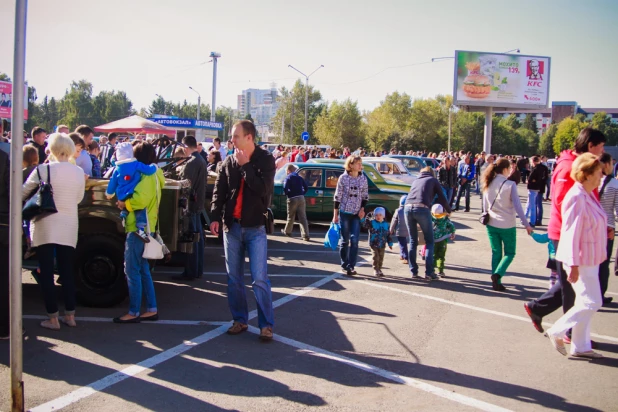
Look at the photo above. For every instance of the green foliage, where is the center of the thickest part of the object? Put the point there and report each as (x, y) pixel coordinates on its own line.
(388, 125)
(467, 131)
(602, 122)
(530, 123)
(340, 125)
(292, 101)
(546, 144)
(567, 132)
(512, 121)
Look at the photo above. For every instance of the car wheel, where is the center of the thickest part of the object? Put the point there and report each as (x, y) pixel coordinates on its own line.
(99, 270)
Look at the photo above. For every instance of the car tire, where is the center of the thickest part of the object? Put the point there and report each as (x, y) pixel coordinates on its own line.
(99, 270)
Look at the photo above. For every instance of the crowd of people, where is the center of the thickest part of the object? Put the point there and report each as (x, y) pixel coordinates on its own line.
(580, 234)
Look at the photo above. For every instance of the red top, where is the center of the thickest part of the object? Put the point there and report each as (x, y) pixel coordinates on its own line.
(561, 183)
(238, 208)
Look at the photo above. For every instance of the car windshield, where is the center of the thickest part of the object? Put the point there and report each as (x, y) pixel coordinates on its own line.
(280, 175)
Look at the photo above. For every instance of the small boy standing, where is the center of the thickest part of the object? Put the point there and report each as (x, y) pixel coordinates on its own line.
(443, 230)
(122, 184)
(93, 152)
(399, 229)
(379, 237)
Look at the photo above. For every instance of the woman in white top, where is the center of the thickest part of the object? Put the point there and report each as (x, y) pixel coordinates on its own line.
(608, 193)
(56, 234)
(501, 200)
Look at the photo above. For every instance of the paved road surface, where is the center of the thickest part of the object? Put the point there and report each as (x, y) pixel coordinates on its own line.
(341, 344)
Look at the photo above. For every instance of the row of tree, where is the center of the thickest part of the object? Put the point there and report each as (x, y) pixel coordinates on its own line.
(80, 106)
(399, 122)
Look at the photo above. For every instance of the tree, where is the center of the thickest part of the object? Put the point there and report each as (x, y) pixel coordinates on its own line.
(530, 123)
(388, 125)
(566, 134)
(601, 121)
(293, 101)
(546, 144)
(429, 123)
(340, 125)
(527, 141)
(512, 121)
(78, 104)
(467, 131)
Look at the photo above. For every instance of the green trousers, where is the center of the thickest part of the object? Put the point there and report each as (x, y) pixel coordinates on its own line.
(499, 239)
(439, 254)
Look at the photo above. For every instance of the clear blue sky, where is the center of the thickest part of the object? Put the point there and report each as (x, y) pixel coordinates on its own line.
(147, 47)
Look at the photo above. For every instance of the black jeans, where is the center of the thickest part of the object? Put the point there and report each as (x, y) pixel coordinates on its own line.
(65, 257)
(561, 294)
(5, 319)
(463, 188)
(604, 268)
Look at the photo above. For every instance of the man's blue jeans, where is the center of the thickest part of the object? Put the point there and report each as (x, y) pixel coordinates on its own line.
(348, 245)
(194, 265)
(448, 193)
(539, 209)
(531, 207)
(252, 239)
(137, 270)
(422, 217)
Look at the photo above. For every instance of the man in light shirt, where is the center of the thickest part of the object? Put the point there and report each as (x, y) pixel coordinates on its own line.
(217, 144)
(84, 161)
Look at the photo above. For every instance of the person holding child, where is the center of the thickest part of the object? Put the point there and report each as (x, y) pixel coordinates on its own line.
(400, 230)
(443, 230)
(122, 184)
(379, 237)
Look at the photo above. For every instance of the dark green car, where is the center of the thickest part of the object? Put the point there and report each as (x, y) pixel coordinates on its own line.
(322, 181)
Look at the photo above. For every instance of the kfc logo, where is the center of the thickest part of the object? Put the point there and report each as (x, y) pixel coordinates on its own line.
(535, 69)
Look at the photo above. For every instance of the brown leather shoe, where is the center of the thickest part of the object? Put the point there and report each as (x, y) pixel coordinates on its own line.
(266, 333)
(237, 328)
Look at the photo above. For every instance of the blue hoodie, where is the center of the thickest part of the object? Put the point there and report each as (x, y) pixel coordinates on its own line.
(126, 176)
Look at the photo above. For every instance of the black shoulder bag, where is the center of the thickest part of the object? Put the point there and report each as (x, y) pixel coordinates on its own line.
(484, 218)
(42, 202)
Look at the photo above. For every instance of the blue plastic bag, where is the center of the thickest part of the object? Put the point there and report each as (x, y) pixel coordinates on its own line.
(331, 239)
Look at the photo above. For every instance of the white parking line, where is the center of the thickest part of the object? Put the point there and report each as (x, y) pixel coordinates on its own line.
(434, 390)
(466, 306)
(159, 322)
(277, 275)
(544, 282)
(149, 363)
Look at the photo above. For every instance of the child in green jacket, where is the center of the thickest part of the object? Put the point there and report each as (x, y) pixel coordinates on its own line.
(443, 230)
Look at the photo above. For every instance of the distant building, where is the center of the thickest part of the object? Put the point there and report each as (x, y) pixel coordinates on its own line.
(557, 112)
(261, 104)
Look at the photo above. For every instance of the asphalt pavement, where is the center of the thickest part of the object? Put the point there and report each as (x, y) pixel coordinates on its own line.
(344, 344)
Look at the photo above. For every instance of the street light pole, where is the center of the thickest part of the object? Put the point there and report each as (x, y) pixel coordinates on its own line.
(17, 127)
(214, 56)
(199, 101)
(306, 91)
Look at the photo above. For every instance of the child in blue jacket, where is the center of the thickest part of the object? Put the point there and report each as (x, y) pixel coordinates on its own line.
(379, 237)
(551, 251)
(122, 184)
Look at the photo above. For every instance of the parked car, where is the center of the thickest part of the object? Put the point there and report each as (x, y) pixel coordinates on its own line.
(414, 164)
(322, 181)
(430, 161)
(391, 169)
(372, 173)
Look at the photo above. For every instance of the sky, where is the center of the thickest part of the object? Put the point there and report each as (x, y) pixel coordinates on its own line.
(368, 48)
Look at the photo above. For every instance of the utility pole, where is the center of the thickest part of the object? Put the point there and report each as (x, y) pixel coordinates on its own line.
(306, 91)
(292, 122)
(449, 128)
(15, 222)
(213, 109)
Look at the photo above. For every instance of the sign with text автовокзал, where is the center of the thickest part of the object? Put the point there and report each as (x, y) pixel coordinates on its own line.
(501, 80)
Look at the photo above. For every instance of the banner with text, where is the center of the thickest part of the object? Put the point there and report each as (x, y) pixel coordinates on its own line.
(177, 123)
(501, 80)
(6, 100)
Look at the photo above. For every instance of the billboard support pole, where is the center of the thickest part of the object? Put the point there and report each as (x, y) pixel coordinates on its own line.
(487, 130)
(17, 128)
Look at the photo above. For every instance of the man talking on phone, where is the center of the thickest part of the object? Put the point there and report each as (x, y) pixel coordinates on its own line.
(241, 199)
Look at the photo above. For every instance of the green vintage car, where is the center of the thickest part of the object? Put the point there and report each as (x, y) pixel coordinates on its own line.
(322, 181)
(372, 173)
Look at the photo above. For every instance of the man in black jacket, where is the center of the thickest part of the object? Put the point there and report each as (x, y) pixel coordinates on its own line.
(241, 197)
(195, 171)
(536, 182)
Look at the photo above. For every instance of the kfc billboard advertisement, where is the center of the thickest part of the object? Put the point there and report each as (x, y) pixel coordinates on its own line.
(501, 80)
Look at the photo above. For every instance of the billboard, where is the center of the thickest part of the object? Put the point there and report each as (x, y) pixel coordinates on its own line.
(188, 123)
(510, 81)
(6, 100)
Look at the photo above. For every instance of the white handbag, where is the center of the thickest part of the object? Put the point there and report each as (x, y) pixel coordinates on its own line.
(153, 250)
